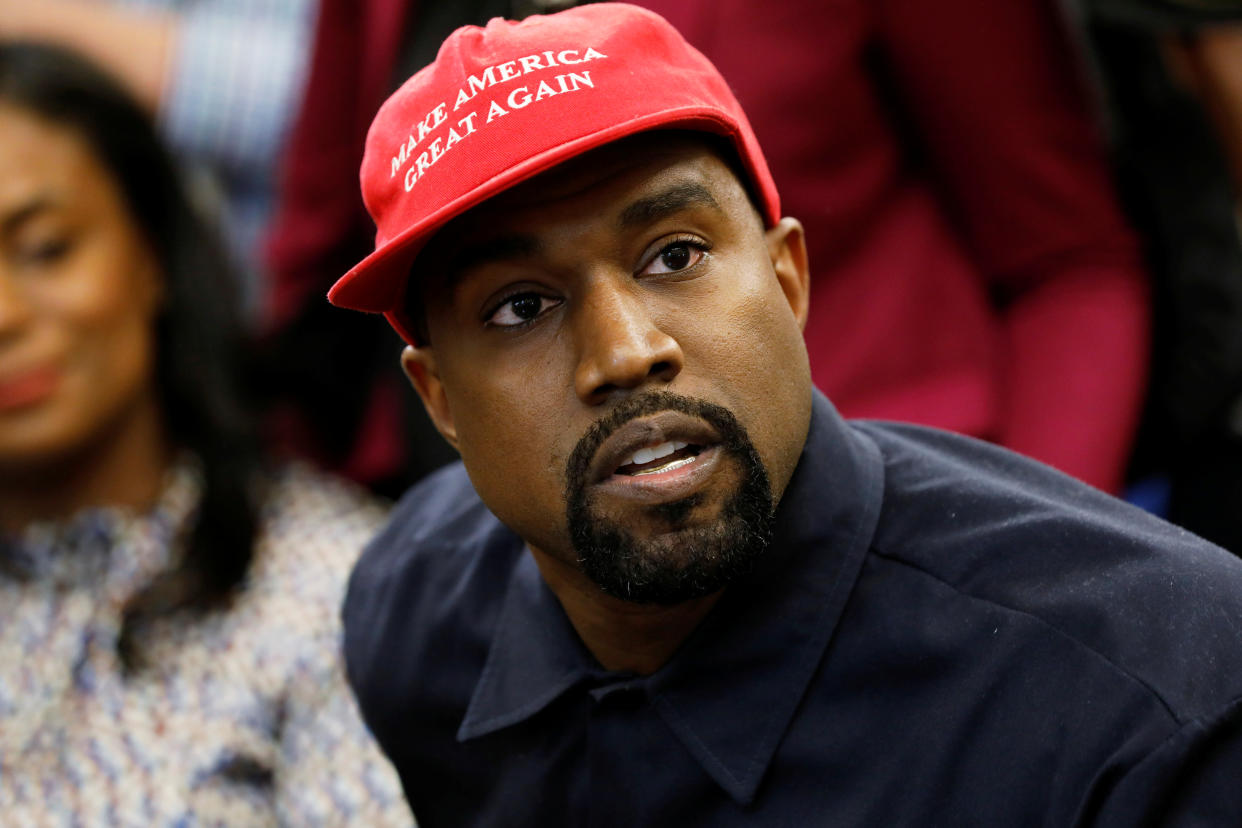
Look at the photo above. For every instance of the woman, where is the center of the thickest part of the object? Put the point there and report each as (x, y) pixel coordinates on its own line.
(168, 601)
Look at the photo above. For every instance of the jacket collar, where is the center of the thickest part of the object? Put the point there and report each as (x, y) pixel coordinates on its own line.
(756, 651)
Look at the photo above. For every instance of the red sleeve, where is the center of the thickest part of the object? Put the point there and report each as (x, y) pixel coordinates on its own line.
(995, 94)
(321, 228)
(319, 231)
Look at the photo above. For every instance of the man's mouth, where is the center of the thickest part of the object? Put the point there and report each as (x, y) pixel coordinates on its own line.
(652, 451)
(657, 458)
(653, 445)
(665, 457)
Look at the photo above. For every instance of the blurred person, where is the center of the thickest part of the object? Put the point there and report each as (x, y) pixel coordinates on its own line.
(972, 268)
(170, 641)
(345, 401)
(1217, 56)
(1173, 97)
(668, 584)
(223, 77)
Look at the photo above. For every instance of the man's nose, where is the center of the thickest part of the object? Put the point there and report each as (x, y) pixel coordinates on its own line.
(620, 345)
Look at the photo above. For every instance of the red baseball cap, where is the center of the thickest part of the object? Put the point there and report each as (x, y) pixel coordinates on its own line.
(507, 101)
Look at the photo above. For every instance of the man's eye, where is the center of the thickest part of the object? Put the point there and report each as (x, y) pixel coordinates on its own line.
(520, 309)
(676, 257)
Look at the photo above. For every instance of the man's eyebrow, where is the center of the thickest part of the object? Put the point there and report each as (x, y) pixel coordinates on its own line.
(490, 250)
(654, 207)
(642, 211)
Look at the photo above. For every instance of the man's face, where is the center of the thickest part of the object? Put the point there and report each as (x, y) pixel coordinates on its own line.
(616, 351)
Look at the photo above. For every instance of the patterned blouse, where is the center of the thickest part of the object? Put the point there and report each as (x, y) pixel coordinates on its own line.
(239, 718)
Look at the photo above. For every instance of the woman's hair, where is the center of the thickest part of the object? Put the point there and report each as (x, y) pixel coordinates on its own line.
(199, 333)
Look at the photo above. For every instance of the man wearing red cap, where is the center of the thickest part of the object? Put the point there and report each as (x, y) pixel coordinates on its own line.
(668, 584)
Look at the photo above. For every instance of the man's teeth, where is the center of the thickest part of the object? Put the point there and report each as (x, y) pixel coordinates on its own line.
(646, 455)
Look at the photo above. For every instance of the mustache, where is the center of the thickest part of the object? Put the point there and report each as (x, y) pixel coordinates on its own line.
(722, 419)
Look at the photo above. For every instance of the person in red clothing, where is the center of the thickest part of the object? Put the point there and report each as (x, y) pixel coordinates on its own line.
(970, 267)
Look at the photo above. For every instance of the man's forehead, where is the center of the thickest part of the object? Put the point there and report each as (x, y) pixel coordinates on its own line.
(628, 181)
(650, 155)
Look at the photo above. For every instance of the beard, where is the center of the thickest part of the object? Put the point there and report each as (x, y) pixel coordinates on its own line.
(691, 560)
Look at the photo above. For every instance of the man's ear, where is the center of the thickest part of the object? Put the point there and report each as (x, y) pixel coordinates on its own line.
(420, 366)
(787, 249)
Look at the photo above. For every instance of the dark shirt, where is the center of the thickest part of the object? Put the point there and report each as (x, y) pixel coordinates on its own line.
(942, 633)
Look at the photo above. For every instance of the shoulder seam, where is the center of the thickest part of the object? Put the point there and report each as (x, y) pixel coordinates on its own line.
(1117, 668)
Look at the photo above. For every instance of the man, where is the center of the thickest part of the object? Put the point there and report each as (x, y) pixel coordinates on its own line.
(668, 584)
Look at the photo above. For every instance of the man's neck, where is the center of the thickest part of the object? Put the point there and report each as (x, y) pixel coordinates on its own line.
(623, 636)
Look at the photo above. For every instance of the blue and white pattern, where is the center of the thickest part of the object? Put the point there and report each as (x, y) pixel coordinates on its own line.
(240, 718)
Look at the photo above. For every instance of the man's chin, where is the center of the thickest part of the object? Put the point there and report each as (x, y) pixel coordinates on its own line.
(672, 566)
(658, 524)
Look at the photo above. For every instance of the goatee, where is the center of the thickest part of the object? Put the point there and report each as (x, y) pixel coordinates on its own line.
(690, 560)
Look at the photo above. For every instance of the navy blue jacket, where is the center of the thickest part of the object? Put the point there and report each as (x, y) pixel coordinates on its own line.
(943, 633)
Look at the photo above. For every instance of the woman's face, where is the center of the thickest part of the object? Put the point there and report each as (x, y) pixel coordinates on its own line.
(79, 292)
